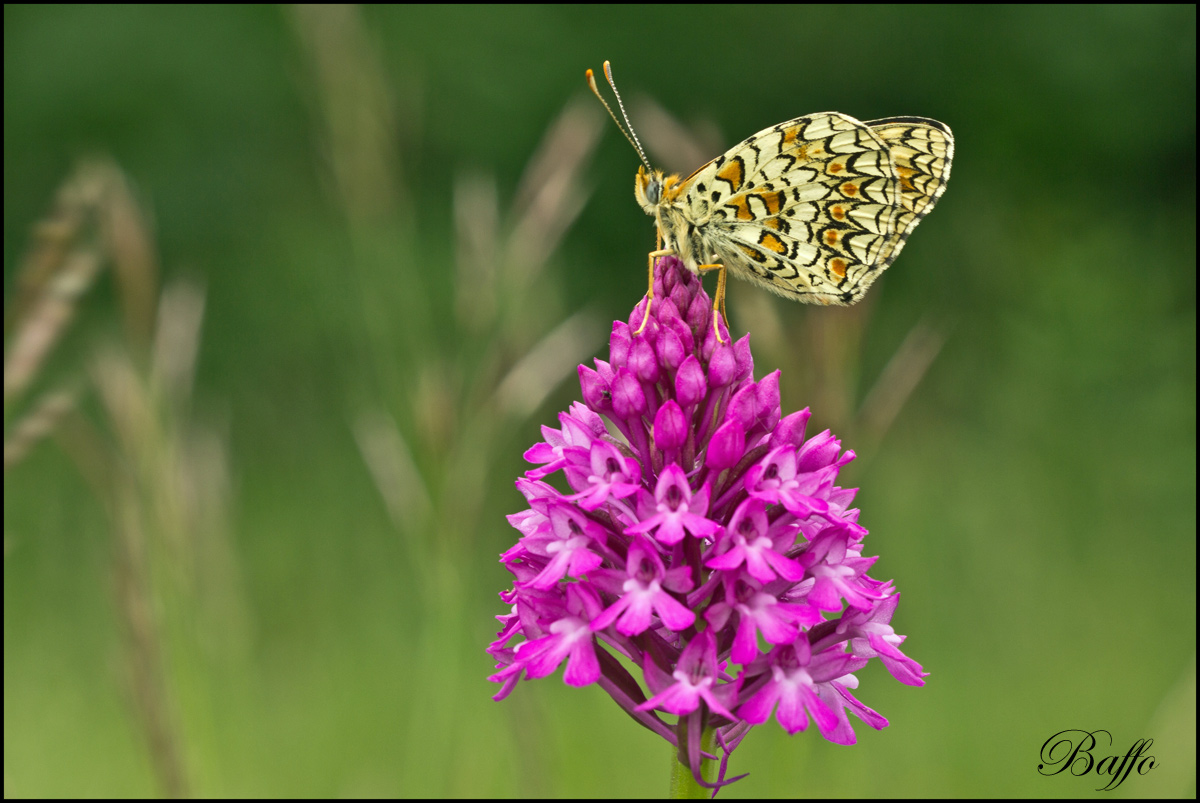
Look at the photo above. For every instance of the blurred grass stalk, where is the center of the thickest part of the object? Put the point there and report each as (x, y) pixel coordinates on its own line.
(162, 480)
(462, 378)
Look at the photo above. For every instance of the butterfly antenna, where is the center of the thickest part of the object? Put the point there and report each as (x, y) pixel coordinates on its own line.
(626, 129)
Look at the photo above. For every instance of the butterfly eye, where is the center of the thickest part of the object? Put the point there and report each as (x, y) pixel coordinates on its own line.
(654, 190)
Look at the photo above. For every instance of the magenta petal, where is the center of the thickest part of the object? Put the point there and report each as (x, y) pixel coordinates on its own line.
(745, 642)
(743, 407)
(643, 362)
(618, 343)
(670, 427)
(644, 526)
(690, 383)
(727, 446)
(540, 453)
(817, 452)
(729, 560)
(776, 629)
(758, 567)
(757, 709)
(826, 719)
(745, 362)
(715, 703)
(595, 390)
(787, 569)
(671, 532)
(542, 657)
(610, 615)
(628, 399)
(582, 667)
(679, 701)
(790, 430)
(718, 615)
(637, 616)
(722, 367)
(700, 526)
(767, 396)
(699, 312)
(791, 714)
(670, 349)
(673, 614)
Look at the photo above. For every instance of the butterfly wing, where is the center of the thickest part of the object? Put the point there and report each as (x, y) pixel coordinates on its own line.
(922, 150)
(815, 208)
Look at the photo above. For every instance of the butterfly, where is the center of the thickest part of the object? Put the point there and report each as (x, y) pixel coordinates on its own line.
(813, 209)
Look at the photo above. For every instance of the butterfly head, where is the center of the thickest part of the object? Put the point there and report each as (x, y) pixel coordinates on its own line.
(652, 187)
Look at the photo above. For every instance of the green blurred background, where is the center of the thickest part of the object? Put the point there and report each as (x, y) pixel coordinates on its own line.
(394, 298)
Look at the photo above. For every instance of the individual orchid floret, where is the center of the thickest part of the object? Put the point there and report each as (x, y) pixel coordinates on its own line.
(676, 510)
(568, 636)
(758, 611)
(579, 428)
(750, 542)
(609, 474)
(775, 480)
(795, 676)
(642, 589)
(568, 545)
(695, 678)
(871, 636)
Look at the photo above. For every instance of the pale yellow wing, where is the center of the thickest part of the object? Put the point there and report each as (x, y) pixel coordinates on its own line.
(816, 208)
(922, 150)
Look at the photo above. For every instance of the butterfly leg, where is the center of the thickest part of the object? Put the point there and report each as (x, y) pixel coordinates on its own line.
(653, 255)
(718, 299)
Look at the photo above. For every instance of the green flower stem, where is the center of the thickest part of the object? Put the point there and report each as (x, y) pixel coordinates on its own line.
(683, 785)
